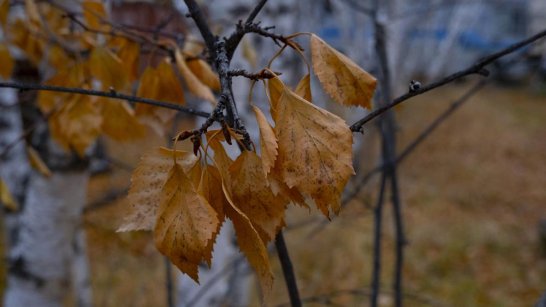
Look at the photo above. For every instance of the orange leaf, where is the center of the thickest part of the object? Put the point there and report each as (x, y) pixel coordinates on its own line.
(204, 73)
(249, 242)
(303, 89)
(209, 188)
(108, 69)
(4, 10)
(268, 141)
(93, 12)
(340, 77)
(37, 163)
(147, 182)
(77, 124)
(315, 150)
(275, 87)
(6, 62)
(194, 85)
(119, 121)
(130, 53)
(6, 198)
(186, 223)
(253, 196)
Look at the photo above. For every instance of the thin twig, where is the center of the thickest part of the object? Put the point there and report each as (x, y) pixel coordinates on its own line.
(110, 94)
(477, 68)
(233, 41)
(288, 271)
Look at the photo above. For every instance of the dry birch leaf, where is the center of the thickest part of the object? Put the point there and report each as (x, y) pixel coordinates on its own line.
(147, 182)
(268, 141)
(186, 223)
(315, 150)
(341, 78)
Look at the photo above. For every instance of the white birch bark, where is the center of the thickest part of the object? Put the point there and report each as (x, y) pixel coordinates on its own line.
(41, 257)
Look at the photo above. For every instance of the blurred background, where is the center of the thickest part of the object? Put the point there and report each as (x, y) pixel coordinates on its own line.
(473, 193)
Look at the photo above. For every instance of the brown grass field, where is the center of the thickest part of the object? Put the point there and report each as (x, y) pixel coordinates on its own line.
(473, 194)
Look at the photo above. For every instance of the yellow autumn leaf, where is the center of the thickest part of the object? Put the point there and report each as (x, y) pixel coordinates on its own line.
(209, 185)
(249, 242)
(268, 141)
(6, 62)
(204, 73)
(6, 198)
(275, 88)
(160, 83)
(93, 14)
(186, 223)
(341, 78)
(195, 86)
(32, 12)
(252, 195)
(71, 76)
(147, 182)
(108, 69)
(4, 10)
(37, 163)
(119, 120)
(303, 89)
(26, 41)
(315, 150)
(77, 124)
(130, 53)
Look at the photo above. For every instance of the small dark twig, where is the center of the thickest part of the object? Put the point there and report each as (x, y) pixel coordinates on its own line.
(110, 94)
(376, 265)
(264, 74)
(288, 271)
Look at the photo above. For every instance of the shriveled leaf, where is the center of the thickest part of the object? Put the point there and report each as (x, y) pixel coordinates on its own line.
(159, 83)
(275, 87)
(26, 41)
(303, 89)
(253, 196)
(108, 69)
(119, 120)
(186, 223)
(4, 10)
(315, 150)
(77, 124)
(6, 62)
(204, 73)
(341, 78)
(210, 187)
(195, 86)
(6, 198)
(130, 53)
(37, 163)
(268, 141)
(221, 158)
(249, 52)
(249, 242)
(93, 13)
(147, 182)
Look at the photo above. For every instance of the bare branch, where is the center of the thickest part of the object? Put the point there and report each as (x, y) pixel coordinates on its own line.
(477, 68)
(110, 94)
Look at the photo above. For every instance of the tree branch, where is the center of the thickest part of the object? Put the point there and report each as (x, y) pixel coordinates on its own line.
(111, 94)
(477, 68)
(197, 14)
(288, 271)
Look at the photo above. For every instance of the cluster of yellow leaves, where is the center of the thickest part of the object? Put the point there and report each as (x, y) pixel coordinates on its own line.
(79, 58)
(305, 158)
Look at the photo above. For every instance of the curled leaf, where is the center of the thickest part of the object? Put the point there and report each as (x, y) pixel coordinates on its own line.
(341, 78)
(147, 181)
(268, 141)
(315, 150)
(186, 223)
